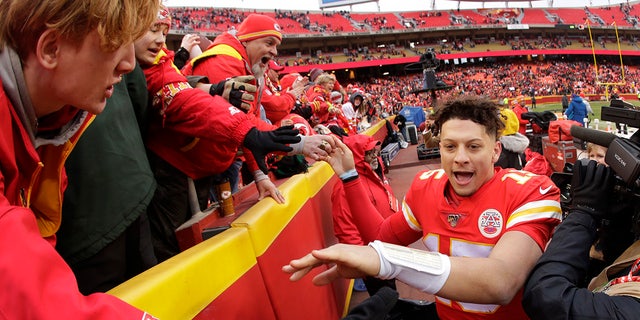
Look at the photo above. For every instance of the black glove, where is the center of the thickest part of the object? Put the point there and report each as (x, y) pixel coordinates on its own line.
(237, 90)
(592, 187)
(260, 143)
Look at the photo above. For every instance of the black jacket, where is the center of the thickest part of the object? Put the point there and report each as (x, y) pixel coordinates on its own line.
(400, 121)
(513, 147)
(556, 288)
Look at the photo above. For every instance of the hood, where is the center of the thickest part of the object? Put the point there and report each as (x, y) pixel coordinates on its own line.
(353, 96)
(55, 128)
(577, 99)
(16, 90)
(359, 144)
(516, 142)
(58, 127)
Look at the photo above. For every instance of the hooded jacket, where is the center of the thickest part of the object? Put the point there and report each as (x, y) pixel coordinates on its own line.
(513, 147)
(577, 110)
(37, 282)
(193, 131)
(378, 190)
(349, 109)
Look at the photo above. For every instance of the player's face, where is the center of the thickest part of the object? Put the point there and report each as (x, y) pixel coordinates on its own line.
(467, 154)
(149, 45)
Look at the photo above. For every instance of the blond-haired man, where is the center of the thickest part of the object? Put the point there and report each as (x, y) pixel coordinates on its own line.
(59, 61)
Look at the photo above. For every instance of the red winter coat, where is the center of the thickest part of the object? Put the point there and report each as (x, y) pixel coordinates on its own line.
(378, 191)
(193, 131)
(36, 282)
(276, 104)
(519, 110)
(226, 57)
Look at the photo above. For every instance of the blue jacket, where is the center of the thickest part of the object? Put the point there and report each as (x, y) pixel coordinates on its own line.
(577, 110)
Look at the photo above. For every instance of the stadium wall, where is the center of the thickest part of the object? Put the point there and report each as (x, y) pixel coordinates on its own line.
(237, 274)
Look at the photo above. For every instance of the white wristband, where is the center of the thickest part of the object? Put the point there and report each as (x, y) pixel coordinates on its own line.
(423, 270)
(349, 174)
(258, 176)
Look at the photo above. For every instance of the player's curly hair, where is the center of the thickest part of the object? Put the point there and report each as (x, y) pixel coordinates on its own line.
(478, 109)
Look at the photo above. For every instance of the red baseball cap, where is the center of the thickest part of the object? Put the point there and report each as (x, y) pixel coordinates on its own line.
(275, 66)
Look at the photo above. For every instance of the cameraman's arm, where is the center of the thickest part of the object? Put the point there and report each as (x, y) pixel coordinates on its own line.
(556, 288)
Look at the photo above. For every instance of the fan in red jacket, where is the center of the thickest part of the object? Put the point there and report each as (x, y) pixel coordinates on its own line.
(518, 108)
(58, 66)
(370, 168)
(247, 51)
(192, 135)
(277, 100)
(324, 112)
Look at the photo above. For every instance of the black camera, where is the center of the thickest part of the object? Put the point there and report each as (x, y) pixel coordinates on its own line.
(428, 63)
(429, 60)
(623, 156)
(621, 225)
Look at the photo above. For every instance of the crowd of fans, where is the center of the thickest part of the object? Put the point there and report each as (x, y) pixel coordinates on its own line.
(212, 19)
(220, 20)
(503, 80)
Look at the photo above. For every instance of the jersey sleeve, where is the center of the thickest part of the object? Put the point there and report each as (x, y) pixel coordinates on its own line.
(537, 206)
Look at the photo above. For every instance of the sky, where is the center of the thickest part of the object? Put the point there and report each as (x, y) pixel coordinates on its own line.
(383, 5)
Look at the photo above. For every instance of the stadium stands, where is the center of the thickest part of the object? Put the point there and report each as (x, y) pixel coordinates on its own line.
(430, 19)
(569, 16)
(535, 16)
(379, 21)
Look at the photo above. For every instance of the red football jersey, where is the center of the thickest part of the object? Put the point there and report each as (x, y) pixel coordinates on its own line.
(511, 200)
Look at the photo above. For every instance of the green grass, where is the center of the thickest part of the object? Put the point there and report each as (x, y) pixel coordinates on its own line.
(556, 107)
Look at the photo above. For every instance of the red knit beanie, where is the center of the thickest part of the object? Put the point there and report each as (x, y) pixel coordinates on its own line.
(257, 26)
